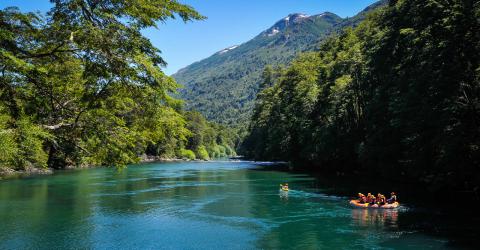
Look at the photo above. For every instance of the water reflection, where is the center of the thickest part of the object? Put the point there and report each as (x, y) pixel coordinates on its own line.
(375, 217)
(283, 194)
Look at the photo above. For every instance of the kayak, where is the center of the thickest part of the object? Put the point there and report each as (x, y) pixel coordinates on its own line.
(355, 203)
(284, 189)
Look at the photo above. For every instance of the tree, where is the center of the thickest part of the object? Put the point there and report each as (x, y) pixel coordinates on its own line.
(83, 86)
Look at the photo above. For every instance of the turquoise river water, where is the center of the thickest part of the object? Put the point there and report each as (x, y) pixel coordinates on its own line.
(196, 205)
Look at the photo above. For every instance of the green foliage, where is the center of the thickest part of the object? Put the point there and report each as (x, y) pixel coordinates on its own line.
(30, 139)
(209, 140)
(396, 96)
(202, 153)
(22, 143)
(168, 133)
(8, 146)
(187, 154)
(282, 111)
(83, 86)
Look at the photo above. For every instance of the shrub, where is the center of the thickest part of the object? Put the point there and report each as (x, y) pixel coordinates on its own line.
(187, 154)
(202, 153)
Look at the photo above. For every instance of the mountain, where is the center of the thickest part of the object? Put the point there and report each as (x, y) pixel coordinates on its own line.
(223, 86)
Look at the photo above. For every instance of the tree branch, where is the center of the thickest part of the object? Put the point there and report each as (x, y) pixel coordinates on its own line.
(56, 126)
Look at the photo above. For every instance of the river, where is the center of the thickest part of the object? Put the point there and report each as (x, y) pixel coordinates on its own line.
(197, 205)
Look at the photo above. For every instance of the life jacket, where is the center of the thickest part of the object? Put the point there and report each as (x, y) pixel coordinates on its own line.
(369, 199)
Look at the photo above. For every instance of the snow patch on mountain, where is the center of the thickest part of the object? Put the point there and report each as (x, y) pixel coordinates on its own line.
(227, 49)
(273, 32)
(297, 17)
(302, 16)
(291, 19)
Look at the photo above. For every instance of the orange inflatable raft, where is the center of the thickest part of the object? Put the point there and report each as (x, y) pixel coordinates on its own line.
(356, 203)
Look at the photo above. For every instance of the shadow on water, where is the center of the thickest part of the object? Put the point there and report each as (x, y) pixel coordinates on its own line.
(458, 224)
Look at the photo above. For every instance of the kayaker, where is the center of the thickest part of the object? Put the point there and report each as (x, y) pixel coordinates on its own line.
(393, 198)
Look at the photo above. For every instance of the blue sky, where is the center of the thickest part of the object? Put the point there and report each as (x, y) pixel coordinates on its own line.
(230, 22)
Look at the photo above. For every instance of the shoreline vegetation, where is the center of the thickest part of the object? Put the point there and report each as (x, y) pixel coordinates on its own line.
(8, 173)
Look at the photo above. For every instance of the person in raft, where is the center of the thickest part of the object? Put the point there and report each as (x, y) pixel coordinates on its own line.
(362, 198)
(284, 187)
(393, 198)
(370, 199)
(380, 199)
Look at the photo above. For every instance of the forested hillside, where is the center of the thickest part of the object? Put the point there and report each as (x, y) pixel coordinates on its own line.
(398, 97)
(223, 87)
(82, 86)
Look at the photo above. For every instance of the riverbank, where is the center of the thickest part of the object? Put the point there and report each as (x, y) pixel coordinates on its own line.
(150, 158)
(8, 173)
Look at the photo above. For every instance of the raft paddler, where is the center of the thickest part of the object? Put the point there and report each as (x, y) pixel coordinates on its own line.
(373, 199)
(369, 198)
(361, 198)
(393, 198)
(381, 199)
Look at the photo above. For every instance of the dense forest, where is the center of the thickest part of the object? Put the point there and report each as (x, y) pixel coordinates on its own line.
(82, 86)
(397, 97)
